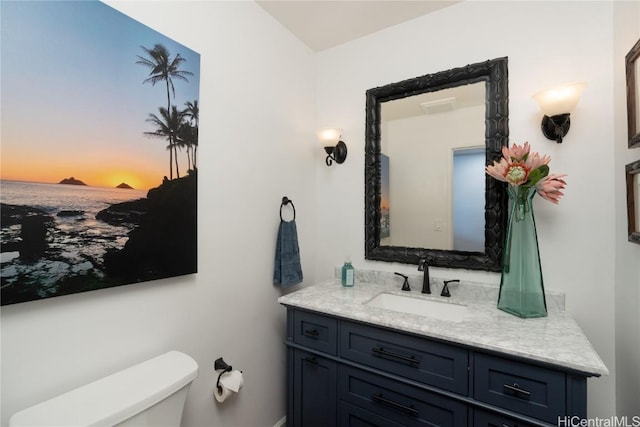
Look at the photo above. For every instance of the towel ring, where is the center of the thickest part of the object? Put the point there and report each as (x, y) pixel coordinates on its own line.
(287, 201)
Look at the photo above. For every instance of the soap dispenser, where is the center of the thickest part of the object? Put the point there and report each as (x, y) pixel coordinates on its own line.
(347, 273)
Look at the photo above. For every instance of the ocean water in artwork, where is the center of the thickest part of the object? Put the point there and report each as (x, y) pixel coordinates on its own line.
(76, 239)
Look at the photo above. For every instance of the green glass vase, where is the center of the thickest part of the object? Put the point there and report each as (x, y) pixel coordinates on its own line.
(521, 285)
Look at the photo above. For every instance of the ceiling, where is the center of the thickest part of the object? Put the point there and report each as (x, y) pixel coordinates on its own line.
(440, 101)
(324, 24)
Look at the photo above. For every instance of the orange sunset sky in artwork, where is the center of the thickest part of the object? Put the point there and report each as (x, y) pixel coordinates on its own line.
(106, 170)
(73, 99)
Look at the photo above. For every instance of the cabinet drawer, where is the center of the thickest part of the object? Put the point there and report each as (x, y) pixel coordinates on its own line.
(523, 388)
(315, 331)
(486, 419)
(353, 416)
(419, 359)
(400, 402)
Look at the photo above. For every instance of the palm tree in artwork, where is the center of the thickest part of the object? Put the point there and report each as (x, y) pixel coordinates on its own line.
(192, 112)
(186, 139)
(167, 126)
(164, 68)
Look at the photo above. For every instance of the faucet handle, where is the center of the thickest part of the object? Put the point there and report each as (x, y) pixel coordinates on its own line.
(445, 288)
(405, 285)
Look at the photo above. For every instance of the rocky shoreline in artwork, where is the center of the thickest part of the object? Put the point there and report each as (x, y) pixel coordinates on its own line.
(44, 254)
(33, 223)
(164, 244)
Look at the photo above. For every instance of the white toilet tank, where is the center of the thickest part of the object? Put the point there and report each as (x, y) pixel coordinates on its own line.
(151, 394)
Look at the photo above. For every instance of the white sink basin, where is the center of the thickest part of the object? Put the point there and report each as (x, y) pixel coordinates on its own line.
(418, 306)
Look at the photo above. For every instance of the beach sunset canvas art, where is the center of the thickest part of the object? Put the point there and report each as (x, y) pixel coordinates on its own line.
(99, 147)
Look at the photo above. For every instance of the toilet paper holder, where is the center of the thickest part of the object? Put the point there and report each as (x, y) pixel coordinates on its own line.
(220, 364)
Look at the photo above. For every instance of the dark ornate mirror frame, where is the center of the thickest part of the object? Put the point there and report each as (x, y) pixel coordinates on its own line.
(495, 74)
(630, 170)
(632, 101)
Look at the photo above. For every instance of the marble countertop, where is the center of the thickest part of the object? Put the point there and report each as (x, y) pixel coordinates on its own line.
(556, 339)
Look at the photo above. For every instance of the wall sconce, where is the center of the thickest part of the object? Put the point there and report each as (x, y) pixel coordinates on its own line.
(336, 149)
(556, 105)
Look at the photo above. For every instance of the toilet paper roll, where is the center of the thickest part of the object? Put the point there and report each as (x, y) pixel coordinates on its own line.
(230, 383)
(221, 394)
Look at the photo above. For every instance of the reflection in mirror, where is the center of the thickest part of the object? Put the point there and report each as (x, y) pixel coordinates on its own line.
(434, 194)
(468, 199)
(633, 200)
(632, 65)
(426, 193)
(636, 72)
(636, 196)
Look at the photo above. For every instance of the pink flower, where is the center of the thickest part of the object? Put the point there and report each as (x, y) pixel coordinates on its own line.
(550, 187)
(517, 174)
(516, 152)
(534, 161)
(516, 164)
(520, 167)
(514, 173)
(498, 170)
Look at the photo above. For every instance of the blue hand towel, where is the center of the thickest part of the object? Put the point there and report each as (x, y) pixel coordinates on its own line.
(288, 271)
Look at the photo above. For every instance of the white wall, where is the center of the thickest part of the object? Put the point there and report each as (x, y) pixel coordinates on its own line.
(257, 123)
(627, 291)
(548, 43)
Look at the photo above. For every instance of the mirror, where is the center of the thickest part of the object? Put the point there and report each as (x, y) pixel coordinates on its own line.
(633, 94)
(633, 200)
(427, 126)
(426, 193)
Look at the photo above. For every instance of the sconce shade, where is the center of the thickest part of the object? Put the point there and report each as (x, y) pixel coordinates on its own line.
(556, 105)
(559, 100)
(336, 150)
(329, 137)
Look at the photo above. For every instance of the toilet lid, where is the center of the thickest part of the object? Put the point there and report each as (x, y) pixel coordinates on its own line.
(115, 398)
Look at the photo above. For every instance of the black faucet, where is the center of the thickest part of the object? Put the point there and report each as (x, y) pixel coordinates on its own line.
(423, 266)
(405, 285)
(445, 288)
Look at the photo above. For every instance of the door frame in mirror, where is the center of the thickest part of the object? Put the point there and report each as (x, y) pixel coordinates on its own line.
(495, 75)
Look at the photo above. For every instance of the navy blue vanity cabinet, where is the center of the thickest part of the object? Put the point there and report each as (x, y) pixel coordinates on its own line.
(486, 419)
(530, 390)
(398, 401)
(312, 376)
(314, 390)
(315, 331)
(425, 361)
(345, 373)
(354, 416)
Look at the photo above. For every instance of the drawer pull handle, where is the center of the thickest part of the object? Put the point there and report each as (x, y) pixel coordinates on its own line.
(515, 388)
(399, 406)
(381, 352)
(311, 333)
(311, 360)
